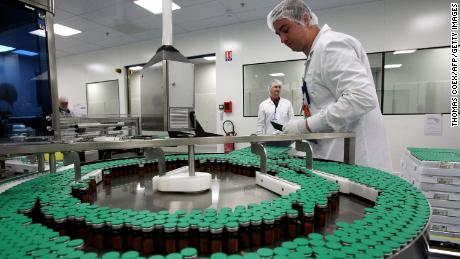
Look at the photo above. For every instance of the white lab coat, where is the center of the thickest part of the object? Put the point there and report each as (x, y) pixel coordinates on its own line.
(343, 99)
(266, 114)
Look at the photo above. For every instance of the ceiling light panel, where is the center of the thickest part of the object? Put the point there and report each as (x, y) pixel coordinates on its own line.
(407, 51)
(154, 6)
(393, 66)
(65, 31)
(210, 58)
(5, 48)
(277, 74)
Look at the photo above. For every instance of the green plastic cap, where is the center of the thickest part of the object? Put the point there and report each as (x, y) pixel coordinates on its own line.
(265, 252)
(130, 255)
(111, 255)
(174, 256)
(281, 251)
(300, 241)
(189, 252)
(89, 256)
(218, 256)
(75, 243)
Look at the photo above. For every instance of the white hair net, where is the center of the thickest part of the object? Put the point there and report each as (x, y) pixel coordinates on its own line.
(292, 10)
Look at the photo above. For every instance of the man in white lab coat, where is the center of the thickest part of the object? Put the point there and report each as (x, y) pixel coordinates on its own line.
(274, 108)
(338, 90)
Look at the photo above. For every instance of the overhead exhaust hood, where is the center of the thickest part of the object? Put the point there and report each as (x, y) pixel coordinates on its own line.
(167, 85)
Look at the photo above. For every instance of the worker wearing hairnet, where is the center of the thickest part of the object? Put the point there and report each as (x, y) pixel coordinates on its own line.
(338, 90)
(273, 109)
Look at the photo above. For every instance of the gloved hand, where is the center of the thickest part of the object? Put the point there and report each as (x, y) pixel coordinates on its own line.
(277, 132)
(295, 127)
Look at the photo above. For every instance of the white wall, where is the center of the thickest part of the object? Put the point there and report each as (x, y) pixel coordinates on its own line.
(205, 96)
(380, 26)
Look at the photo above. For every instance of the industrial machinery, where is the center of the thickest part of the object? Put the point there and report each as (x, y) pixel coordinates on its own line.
(98, 128)
(28, 75)
(167, 86)
(258, 202)
(168, 104)
(309, 209)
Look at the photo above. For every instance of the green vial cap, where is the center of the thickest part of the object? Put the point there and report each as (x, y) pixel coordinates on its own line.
(375, 253)
(89, 256)
(189, 252)
(218, 256)
(111, 255)
(300, 241)
(281, 251)
(296, 255)
(333, 245)
(265, 252)
(130, 255)
(75, 255)
(317, 242)
(289, 245)
(75, 243)
(338, 254)
(315, 236)
(306, 250)
(174, 256)
(61, 239)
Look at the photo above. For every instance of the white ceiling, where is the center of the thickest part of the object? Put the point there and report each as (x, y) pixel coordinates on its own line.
(110, 23)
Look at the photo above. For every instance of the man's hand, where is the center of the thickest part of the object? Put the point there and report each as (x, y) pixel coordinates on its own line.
(295, 127)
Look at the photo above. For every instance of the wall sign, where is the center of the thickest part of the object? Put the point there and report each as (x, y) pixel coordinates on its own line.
(228, 55)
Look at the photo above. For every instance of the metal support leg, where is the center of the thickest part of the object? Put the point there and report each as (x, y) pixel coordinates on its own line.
(72, 157)
(259, 150)
(41, 163)
(159, 155)
(349, 151)
(191, 160)
(52, 162)
(305, 146)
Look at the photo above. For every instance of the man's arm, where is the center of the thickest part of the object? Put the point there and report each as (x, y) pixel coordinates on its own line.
(346, 75)
(260, 121)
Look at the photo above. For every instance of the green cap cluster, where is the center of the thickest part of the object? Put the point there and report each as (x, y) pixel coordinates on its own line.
(400, 213)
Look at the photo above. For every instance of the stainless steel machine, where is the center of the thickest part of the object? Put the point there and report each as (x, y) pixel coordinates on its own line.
(167, 86)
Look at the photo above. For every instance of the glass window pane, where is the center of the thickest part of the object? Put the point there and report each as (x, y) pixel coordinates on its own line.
(375, 61)
(25, 98)
(258, 77)
(417, 82)
(102, 98)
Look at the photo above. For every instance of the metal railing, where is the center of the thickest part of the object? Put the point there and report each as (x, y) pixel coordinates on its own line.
(153, 150)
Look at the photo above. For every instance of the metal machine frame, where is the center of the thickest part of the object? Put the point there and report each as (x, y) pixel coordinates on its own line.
(70, 149)
(49, 7)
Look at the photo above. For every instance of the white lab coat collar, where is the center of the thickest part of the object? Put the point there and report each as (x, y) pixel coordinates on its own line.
(320, 33)
(313, 46)
(271, 101)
